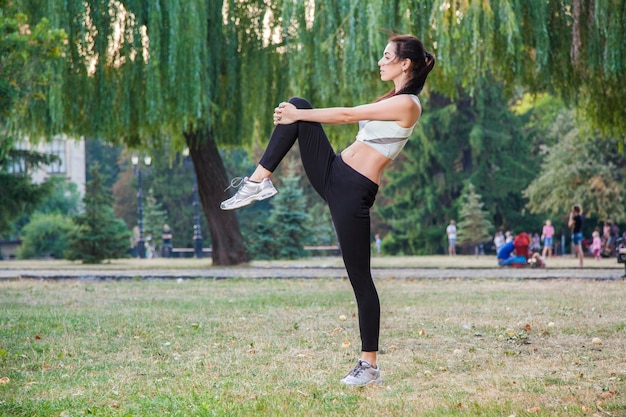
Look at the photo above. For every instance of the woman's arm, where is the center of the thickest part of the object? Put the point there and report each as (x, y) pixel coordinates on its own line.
(403, 109)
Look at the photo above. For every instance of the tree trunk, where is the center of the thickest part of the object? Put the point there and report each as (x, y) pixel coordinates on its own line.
(226, 238)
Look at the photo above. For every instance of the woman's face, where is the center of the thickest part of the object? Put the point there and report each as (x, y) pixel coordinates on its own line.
(390, 65)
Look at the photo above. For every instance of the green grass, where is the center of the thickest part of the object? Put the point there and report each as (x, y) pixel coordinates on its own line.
(242, 347)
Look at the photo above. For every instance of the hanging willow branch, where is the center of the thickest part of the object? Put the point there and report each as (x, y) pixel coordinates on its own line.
(139, 70)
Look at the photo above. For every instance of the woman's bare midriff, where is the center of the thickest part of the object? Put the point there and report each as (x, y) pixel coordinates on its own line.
(365, 160)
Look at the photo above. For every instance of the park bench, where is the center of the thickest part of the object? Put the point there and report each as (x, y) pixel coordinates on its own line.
(189, 252)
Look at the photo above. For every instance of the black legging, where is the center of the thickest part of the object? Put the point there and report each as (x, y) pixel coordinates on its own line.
(350, 196)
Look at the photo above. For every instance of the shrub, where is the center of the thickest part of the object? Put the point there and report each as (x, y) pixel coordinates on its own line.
(45, 235)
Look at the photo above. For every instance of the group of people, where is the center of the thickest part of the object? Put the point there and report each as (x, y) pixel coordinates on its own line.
(517, 251)
(540, 248)
(543, 244)
(522, 249)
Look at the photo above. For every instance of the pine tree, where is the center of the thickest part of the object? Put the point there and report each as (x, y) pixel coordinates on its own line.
(154, 217)
(99, 235)
(474, 226)
(288, 219)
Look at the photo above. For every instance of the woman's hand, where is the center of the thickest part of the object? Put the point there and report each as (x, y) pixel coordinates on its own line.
(285, 114)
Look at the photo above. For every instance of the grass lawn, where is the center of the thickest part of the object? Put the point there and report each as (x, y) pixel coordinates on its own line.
(265, 347)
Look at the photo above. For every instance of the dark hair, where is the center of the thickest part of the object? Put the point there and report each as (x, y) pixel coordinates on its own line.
(422, 62)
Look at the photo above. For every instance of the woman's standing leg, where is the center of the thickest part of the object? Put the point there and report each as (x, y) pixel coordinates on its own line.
(350, 196)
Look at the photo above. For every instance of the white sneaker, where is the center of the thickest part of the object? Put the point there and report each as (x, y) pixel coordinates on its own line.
(362, 374)
(248, 193)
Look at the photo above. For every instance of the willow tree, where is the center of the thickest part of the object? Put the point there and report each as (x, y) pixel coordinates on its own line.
(27, 51)
(206, 73)
(144, 73)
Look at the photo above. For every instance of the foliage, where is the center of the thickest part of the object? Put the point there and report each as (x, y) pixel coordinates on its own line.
(321, 224)
(19, 195)
(145, 72)
(27, 55)
(154, 217)
(172, 183)
(259, 239)
(574, 49)
(45, 235)
(107, 155)
(98, 235)
(278, 228)
(476, 139)
(288, 220)
(64, 199)
(474, 226)
(579, 168)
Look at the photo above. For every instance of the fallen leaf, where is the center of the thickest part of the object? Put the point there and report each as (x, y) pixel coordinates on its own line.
(4, 380)
(345, 344)
(527, 327)
(535, 410)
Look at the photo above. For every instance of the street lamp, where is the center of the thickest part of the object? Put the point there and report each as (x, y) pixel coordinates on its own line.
(197, 232)
(141, 246)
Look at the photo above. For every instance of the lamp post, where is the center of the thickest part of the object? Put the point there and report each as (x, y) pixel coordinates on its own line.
(197, 232)
(141, 246)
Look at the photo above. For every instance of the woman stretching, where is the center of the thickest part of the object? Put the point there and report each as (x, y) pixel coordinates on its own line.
(348, 181)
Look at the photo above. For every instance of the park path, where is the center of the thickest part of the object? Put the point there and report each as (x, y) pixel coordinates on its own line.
(96, 274)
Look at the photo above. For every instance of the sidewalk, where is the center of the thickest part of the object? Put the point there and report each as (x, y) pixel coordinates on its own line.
(383, 268)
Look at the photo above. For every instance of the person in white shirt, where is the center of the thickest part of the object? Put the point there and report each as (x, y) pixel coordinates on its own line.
(348, 181)
(451, 232)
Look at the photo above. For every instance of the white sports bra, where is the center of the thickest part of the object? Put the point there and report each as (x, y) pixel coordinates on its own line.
(386, 136)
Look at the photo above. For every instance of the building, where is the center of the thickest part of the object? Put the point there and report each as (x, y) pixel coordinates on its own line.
(71, 164)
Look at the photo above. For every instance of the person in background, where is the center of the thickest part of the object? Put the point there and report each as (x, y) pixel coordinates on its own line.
(377, 242)
(575, 223)
(134, 241)
(498, 240)
(596, 245)
(451, 232)
(166, 236)
(547, 237)
(535, 243)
